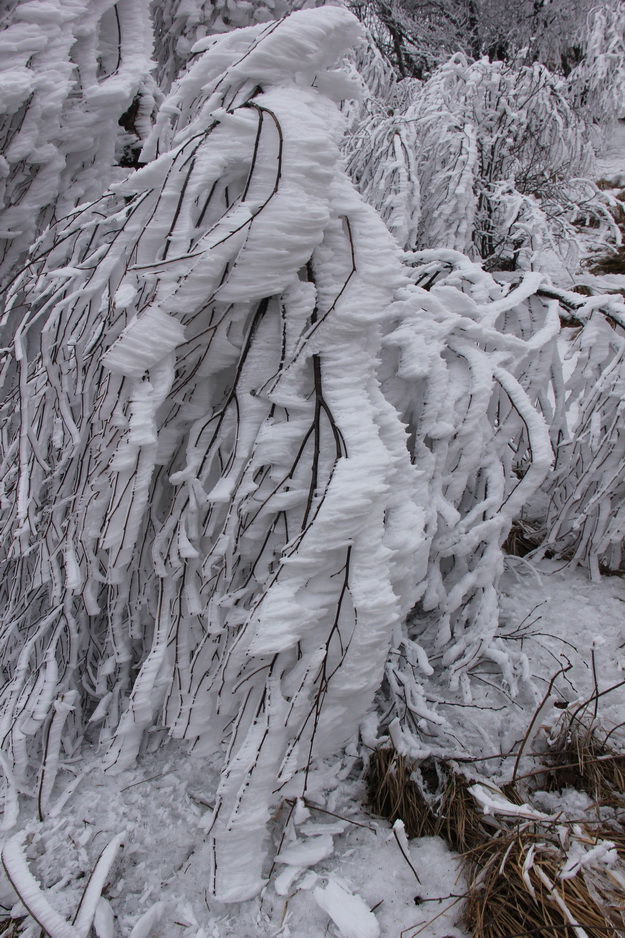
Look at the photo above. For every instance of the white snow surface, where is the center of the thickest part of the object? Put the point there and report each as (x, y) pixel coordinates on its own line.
(339, 870)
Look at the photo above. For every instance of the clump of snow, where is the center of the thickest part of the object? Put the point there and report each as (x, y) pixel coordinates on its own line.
(349, 913)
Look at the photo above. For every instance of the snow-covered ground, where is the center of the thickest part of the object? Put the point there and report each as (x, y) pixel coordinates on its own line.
(340, 870)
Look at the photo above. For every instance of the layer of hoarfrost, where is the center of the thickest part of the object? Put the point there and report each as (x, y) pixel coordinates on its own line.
(260, 466)
(70, 73)
(238, 477)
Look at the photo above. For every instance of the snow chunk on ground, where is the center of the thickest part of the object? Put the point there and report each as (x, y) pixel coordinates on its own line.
(349, 913)
(308, 852)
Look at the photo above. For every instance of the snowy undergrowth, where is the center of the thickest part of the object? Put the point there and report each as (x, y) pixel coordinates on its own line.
(159, 875)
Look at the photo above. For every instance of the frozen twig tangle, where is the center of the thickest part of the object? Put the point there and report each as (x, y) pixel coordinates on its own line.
(70, 72)
(210, 485)
(258, 464)
(468, 383)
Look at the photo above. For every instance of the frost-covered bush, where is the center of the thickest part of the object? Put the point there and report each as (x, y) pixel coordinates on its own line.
(412, 41)
(213, 520)
(585, 519)
(257, 463)
(469, 373)
(207, 513)
(69, 72)
(597, 83)
(485, 158)
(418, 35)
(381, 154)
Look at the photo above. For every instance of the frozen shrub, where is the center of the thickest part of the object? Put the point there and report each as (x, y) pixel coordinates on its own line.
(485, 158)
(597, 82)
(207, 499)
(70, 73)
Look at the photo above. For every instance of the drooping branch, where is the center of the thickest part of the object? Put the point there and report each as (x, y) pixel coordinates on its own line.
(208, 472)
(80, 99)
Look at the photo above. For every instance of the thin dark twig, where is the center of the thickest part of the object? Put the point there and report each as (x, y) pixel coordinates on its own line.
(537, 712)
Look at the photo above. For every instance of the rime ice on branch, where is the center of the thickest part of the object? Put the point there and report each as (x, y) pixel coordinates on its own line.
(69, 71)
(209, 517)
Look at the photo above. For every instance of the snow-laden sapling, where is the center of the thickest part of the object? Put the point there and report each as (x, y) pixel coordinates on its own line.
(242, 439)
(209, 519)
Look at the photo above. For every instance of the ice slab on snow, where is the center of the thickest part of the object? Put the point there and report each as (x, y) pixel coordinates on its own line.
(308, 852)
(148, 922)
(349, 913)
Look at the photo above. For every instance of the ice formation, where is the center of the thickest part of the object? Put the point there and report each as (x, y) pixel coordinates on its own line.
(258, 464)
(225, 506)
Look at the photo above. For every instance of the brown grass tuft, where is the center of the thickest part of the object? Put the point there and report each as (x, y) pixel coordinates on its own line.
(613, 263)
(581, 759)
(522, 539)
(515, 887)
(459, 821)
(431, 801)
(515, 890)
(394, 794)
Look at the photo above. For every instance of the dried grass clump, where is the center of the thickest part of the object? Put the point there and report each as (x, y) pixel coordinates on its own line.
(395, 794)
(516, 890)
(458, 820)
(515, 867)
(522, 539)
(432, 799)
(613, 263)
(581, 759)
